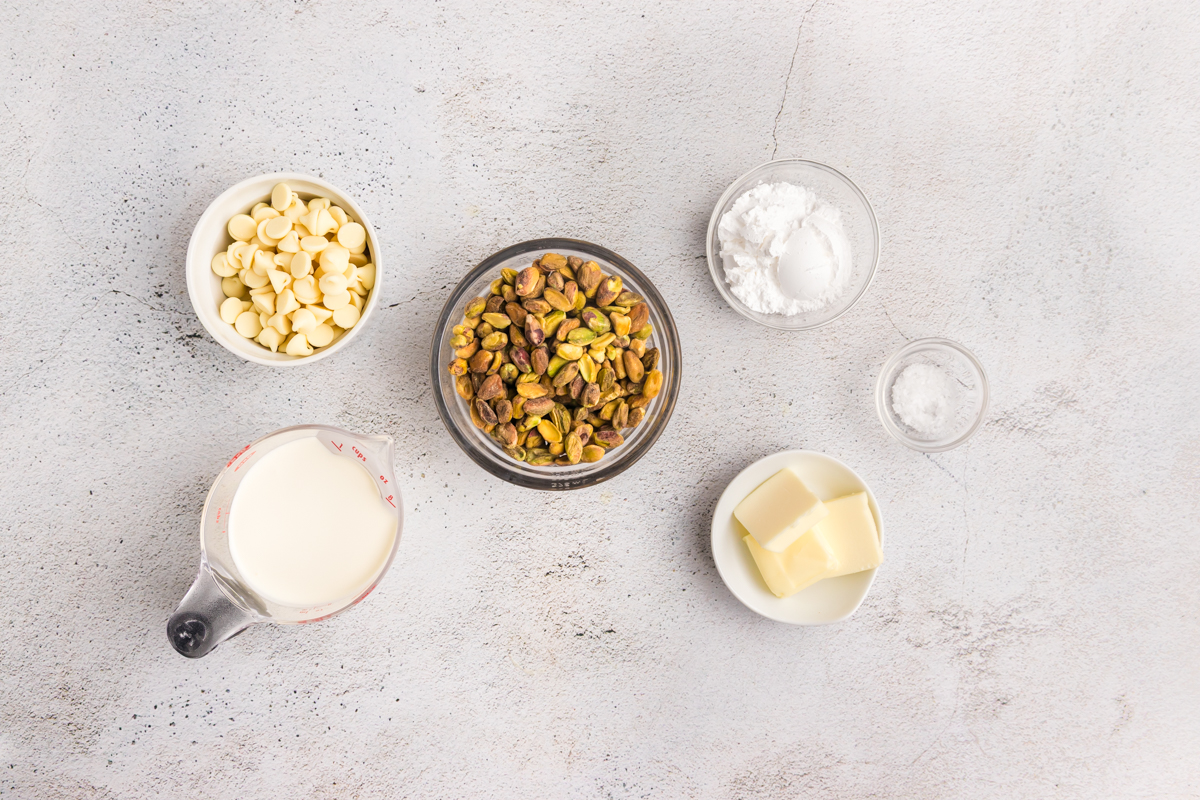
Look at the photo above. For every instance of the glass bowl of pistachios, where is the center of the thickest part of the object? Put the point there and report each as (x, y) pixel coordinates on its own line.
(555, 364)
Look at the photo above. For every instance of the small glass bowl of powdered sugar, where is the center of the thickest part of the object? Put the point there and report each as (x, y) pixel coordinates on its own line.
(932, 395)
(792, 244)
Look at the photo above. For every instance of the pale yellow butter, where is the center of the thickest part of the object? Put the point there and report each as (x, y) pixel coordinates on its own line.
(807, 561)
(850, 532)
(779, 511)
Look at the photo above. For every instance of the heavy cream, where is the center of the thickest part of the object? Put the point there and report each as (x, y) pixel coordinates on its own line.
(308, 526)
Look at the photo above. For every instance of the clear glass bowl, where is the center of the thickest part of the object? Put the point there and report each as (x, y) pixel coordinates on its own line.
(484, 450)
(964, 370)
(858, 219)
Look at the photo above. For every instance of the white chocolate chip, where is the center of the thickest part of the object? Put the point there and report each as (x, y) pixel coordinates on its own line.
(296, 210)
(278, 228)
(319, 203)
(357, 301)
(333, 284)
(320, 313)
(339, 216)
(313, 244)
(366, 274)
(359, 249)
(351, 235)
(346, 317)
(310, 220)
(248, 324)
(336, 300)
(242, 227)
(221, 266)
(290, 243)
(357, 259)
(281, 197)
(260, 214)
(263, 236)
(335, 258)
(281, 323)
(270, 338)
(301, 264)
(325, 223)
(306, 290)
(231, 309)
(264, 262)
(298, 346)
(279, 280)
(283, 260)
(232, 287)
(265, 303)
(286, 303)
(252, 279)
(320, 335)
(245, 255)
(303, 320)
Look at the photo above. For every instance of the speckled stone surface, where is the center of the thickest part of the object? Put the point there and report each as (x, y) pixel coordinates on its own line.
(1034, 632)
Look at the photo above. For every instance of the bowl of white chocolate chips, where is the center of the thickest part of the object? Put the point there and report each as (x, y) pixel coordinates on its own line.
(283, 269)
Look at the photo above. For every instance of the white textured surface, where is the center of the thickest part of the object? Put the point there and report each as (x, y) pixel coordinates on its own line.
(1034, 631)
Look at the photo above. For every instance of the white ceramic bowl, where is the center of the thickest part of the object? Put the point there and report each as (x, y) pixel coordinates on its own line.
(211, 236)
(858, 220)
(830, 600)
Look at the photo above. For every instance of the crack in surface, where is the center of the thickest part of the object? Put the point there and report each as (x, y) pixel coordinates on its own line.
(787, 81)
(894, 325)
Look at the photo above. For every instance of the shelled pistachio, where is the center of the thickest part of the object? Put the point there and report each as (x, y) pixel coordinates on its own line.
(554, 362)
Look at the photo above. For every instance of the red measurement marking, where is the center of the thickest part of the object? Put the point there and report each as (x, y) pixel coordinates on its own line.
(389, 499)
(358, 453)
(335, 444)
(385, 480)
(235, 457)
(242, 463)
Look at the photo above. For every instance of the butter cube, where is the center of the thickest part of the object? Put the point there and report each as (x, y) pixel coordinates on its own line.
(808, 560)
(780, 511)
(850, 532)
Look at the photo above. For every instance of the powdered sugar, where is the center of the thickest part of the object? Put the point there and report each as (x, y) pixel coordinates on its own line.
(780, 230)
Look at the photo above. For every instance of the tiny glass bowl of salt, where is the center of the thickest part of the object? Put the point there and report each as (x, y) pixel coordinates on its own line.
(792, 244)
(932, 395)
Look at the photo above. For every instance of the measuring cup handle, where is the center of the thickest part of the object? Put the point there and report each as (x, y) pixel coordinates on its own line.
(205, 618)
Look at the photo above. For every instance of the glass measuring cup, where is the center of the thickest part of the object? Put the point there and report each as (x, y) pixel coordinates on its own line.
(220, 604)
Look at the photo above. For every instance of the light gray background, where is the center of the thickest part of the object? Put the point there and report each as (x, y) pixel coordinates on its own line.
(1033, 632)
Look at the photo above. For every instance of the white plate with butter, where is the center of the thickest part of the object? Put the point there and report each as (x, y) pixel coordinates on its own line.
(829, 600)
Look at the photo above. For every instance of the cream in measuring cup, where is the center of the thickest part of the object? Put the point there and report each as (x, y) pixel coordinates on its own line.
(300, 525)
(307, 527)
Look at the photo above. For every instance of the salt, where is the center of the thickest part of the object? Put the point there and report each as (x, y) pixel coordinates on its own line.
(925, 399)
